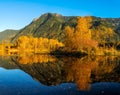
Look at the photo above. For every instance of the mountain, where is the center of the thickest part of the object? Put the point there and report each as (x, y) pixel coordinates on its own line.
(48, 25)
(52, 25)
(7, 34)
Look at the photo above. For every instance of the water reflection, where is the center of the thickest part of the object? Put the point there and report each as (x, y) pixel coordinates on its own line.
(82, 71)
(85, 72)
(17, 82)
(44, 68)
(34, 58)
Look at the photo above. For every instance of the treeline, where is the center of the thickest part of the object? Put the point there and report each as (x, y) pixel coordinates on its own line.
(31, 44)
(38, 45)
(79, 38)
(89, 38)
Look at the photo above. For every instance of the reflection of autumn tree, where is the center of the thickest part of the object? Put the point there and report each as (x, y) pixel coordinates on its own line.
(106, 66)
(42, 68)
(79, 38)
(80, 70)
(34, 58)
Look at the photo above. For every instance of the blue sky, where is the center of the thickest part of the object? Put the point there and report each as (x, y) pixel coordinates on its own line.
(16, 14)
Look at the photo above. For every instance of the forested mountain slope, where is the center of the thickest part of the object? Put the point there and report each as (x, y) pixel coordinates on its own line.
(52, 25)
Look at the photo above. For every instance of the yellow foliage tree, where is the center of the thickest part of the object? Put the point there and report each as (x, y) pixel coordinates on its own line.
(80, 70)
(23, 42)
(39, 45)
(79, 38)
(83, 27)
(69, 39)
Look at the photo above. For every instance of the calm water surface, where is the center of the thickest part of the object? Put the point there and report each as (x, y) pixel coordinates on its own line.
(29, 74)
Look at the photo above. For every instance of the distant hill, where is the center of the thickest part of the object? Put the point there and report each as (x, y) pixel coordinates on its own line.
(52, 25)
(7, 34)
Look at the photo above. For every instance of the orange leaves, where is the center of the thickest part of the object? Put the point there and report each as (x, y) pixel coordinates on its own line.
(104, 34)
(69, 38)
(69, 31)
(83, 27)
(83, 24)
(22, 41)
(88, 43)
(35, 58)
(82, 70)
(38, 45)
(79, 37)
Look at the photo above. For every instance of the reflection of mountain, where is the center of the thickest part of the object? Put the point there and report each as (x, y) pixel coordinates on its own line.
(6, 62)
(82, 71)
(41, 67)
(47, 73)
(51, 71)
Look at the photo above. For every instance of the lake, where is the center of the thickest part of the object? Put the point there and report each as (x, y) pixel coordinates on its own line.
(35, 74)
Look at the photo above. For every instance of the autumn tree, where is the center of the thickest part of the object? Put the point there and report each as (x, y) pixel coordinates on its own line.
(69, 39)
(38, 45)
(79, 71)
(23, 42)
(79, 38)
(83, 27)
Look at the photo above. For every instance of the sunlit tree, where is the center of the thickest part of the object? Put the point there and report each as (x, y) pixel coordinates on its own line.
(79, 38)
(46, 45)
